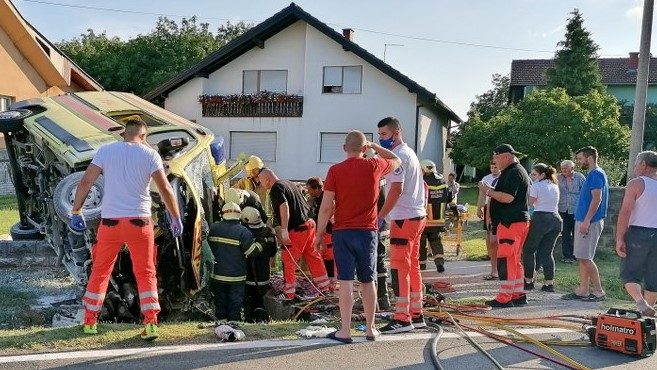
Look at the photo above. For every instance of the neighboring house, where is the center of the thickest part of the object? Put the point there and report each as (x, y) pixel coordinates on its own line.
(618, 75)
(30, 67)
(289, 90)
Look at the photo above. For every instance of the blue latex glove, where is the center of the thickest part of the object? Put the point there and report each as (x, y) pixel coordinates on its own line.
(77, 223)
(176, 226)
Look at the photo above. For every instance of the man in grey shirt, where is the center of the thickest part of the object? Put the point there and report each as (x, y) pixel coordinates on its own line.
(570, 184)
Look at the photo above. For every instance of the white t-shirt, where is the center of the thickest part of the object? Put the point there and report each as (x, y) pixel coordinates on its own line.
(547, 196)
(491, 181)
(127, 169)
(411, 201)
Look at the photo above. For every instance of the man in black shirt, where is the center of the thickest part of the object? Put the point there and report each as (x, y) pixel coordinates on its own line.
(509, 216)
(296, 232)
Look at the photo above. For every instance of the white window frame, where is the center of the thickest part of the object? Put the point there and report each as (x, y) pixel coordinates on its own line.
(339, 89)
(233, 155)
(259, 79)
(368, 135)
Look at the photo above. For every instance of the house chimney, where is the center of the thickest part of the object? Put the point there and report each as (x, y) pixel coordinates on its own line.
(348, 34)
(634, 61)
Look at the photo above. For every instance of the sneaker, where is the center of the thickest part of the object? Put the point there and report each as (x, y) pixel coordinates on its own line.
(396, 326)
(529, 286)
(440, 268)
(90, 329)
(149, 332)
(520, 301)
(548, 288)
(497, 304)
(418, 322)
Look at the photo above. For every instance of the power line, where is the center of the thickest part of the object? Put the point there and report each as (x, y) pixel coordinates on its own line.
(127, 11)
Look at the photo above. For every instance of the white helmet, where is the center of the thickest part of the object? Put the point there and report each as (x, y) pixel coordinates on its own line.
(251, 217)
(428, 165)
(236, 196)
(231, 211)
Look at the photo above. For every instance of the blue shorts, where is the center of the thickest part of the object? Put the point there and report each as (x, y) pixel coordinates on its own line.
(355, 250)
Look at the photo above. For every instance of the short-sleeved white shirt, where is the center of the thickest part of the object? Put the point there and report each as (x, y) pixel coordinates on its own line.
(547, 196)
(127, 169)
(411, 200)
(490, 180)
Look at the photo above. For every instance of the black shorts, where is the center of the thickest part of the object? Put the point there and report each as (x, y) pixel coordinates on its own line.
(639, 265)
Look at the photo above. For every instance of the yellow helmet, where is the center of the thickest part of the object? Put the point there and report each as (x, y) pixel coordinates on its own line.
(253, 163)
(235, 195)
(231, 211)
(251, 217)
(428, 165)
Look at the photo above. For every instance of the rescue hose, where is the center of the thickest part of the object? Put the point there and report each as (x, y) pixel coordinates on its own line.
(434, 346)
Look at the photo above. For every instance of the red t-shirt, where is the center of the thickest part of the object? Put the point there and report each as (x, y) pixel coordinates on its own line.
(355, 182)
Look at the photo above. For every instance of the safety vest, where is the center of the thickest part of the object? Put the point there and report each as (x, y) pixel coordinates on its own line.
(231, 244)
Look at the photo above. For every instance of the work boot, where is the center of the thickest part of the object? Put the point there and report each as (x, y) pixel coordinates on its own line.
(440, 268)
(520, 301)
(90, 328)
(149, 332)
(497, 304)
(384, 302)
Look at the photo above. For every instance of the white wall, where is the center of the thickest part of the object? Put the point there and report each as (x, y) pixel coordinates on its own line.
(303, 51)
(431, 136)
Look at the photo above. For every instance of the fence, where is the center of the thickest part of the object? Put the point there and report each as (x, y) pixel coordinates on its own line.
(6, 186)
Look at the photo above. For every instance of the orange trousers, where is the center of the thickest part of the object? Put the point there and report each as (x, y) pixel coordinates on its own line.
(137, 233)
(405, 267)
(329, 259)
(509, 260)
(303, 246)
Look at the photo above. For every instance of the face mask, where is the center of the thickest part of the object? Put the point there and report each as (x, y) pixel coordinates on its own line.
(387, 143)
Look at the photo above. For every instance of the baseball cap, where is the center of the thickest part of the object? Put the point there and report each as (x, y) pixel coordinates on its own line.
(506, 148)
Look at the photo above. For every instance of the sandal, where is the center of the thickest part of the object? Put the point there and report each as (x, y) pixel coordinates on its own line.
(491, 277)
(341, 340)
(574, 296)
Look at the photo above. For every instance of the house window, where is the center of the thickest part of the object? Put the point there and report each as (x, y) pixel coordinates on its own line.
(4, 102)
(331, 146)
(343, 80)
(255, 81)
(260, 143)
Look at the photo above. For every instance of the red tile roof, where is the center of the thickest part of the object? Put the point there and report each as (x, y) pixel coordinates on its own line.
(615, 71)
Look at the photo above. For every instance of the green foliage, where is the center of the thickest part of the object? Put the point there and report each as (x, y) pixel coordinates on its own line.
(493, 101)
(650, 128)
(548, 126)
(575, 64)
(144, 62)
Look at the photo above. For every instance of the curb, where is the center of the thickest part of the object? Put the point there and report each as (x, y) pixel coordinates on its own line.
(26, 253)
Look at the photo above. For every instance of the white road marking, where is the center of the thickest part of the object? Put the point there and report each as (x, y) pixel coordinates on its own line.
(126, 352)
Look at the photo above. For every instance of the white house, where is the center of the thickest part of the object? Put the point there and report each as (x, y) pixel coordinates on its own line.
(325, 85)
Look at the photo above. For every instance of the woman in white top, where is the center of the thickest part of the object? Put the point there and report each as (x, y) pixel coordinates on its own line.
(544, 227)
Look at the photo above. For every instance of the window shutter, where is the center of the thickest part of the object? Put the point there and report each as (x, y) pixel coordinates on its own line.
(331, 146)
(250, 82)
(332, 76)
(353, 77)
(273, 81)
(262, 144)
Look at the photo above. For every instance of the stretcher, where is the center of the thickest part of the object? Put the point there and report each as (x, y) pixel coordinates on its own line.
(454, 226)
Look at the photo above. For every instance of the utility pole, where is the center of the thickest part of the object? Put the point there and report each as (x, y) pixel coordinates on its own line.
(385, 48)
(639, 117)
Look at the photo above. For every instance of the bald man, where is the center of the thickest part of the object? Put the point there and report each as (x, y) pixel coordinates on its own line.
(296, 233)
(351, 192)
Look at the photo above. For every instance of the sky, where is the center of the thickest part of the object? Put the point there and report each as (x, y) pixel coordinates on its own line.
(450, 47)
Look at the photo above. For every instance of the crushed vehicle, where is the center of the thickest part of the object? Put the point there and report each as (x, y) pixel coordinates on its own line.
(51, 141)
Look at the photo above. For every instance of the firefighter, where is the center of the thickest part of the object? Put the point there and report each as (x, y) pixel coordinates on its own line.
(247, 198)
(231, 244)
(295, 232)
(315, 188)
(251, 182)
(127, 167)
(439, 196)
(258, 267)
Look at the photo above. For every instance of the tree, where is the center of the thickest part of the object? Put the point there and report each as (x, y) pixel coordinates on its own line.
(492, 101)
(144, 62)
(650, 130)
(576, 66)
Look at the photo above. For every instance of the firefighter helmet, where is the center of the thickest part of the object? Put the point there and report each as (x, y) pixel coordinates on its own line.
(253, 163)
(251, 217)
(428, 166)
(236, 196)
(231, 211)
